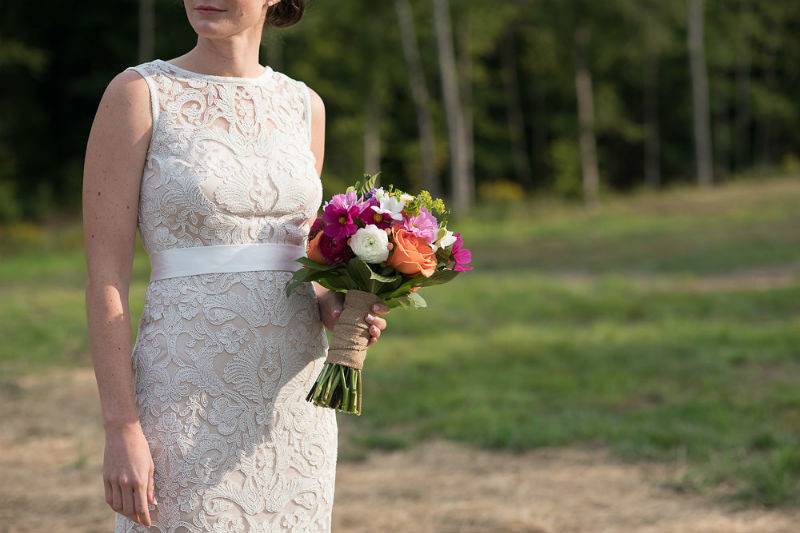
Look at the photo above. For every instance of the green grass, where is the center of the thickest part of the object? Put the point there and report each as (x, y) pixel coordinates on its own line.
(664, 326)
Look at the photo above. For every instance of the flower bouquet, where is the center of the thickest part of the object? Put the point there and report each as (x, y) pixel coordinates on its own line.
(374, 245)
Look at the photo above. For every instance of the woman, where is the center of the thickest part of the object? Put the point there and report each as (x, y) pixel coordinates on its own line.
(217, 160)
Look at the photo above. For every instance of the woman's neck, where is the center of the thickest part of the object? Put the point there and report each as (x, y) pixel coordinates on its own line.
(236, 56)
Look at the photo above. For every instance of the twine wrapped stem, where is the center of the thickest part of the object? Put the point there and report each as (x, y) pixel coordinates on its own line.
(348, 346)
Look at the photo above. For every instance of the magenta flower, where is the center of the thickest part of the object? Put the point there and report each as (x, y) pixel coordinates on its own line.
(423, 225)
(339, 215)
(334, 250)
(370, 216)
(461, 255)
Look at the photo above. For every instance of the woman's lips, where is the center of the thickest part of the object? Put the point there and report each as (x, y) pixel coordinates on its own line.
(209, 9)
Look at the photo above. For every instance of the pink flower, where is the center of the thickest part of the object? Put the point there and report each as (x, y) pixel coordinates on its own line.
(461, 255)
(423, 225)
(369, 215)
(339, 216)
(334, 250)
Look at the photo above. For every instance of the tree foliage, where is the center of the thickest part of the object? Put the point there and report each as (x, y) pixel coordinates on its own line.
(54, 69)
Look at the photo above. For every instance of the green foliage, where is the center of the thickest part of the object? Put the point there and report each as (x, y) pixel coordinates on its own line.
(9, 208)
(394, 289)
(566, 168)
(52, 94)
(501, 191)
(435, 206)
(364, 185)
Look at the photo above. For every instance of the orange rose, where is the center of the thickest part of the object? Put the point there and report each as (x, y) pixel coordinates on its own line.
(411, 254)
(312, 251)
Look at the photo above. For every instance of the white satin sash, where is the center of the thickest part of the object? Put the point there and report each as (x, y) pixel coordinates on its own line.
(174, 262)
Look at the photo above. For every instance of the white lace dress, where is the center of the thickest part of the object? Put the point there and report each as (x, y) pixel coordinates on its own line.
(223, 360)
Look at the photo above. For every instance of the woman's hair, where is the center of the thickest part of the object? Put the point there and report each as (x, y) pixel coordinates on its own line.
(285, 13)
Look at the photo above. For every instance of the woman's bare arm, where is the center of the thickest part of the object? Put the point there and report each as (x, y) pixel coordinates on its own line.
(115, 156)
(330, 303)
(317, 128)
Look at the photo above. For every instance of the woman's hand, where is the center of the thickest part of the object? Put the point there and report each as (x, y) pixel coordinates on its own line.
(377, 324)
(330, 308)
(128, 472)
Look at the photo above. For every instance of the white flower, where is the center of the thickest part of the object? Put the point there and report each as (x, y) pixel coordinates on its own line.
(446, 239)
(370, 244)
(389, 205)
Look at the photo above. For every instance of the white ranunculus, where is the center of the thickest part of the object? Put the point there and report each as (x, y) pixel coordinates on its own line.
(389, 205)
(447, 238)
(370, 244)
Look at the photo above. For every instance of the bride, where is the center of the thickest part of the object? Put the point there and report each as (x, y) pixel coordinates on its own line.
(216, 160)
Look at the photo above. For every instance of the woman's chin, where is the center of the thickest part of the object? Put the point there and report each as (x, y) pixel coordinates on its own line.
(211, 29)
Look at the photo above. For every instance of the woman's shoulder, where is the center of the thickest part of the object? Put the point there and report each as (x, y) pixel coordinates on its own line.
(315, 100)
(145, 70)
(127, 103)
(128, 87)
(123, 113)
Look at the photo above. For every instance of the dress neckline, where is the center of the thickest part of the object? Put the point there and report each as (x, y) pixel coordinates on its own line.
(213, 77)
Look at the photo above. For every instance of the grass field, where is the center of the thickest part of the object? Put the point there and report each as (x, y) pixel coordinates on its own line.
(664, 326)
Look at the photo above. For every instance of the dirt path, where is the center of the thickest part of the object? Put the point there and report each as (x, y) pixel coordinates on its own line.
(51, 448)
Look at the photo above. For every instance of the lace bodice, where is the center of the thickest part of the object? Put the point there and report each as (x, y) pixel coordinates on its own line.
(229, 160)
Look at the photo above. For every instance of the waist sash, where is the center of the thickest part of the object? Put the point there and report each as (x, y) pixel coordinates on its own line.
(174, 262)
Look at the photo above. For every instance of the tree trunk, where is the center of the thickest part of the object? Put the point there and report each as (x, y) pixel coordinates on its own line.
(516, 127)
(462, 185)
(702, 126)
(765, 123)
(465, 67)
(537, 101)
(147, 30)
(588, 142)
(743, 149)
(419, 93)
(372, 133)
(652, 124)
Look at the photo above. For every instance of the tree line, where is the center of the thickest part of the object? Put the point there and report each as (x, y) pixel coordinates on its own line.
(467, 98)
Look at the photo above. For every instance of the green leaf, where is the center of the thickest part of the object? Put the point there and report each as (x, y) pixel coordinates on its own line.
(411, 300)
(384, 279)
(360, 272)
(371, 281)
(416, 300)
(438, 277)
(314, 265)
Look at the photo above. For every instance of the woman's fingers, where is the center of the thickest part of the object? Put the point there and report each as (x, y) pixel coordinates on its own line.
(128, 505)
(376, 324)
(116, 496)
(140, 500)
(109, 492)
(380, 309)
(151, 494)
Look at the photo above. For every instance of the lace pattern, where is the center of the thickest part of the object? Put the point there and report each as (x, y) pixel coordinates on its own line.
(229, 162)
(222, 361)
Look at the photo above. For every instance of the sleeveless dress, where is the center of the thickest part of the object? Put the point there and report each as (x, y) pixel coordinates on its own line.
(222, 360)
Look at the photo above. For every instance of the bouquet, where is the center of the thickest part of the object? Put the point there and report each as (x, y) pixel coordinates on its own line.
(374, 244)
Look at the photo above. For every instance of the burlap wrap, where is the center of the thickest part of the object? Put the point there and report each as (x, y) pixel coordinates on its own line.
(348, 346)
